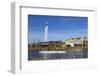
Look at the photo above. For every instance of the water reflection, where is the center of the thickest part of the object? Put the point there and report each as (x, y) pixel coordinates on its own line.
(37, 55)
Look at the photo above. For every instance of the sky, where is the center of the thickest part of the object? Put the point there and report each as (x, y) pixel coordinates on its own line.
(59, 27)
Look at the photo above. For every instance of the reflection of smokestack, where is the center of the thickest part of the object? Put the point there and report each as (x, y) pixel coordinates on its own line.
(46, 32)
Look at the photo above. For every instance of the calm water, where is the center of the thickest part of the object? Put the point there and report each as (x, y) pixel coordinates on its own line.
(36, 55)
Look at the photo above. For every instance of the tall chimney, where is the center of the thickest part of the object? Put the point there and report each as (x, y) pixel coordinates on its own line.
(46, 32)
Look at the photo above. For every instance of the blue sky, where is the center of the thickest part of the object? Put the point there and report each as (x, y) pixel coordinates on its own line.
(59, 27)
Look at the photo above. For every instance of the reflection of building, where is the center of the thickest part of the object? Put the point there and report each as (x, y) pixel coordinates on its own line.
(76, 41)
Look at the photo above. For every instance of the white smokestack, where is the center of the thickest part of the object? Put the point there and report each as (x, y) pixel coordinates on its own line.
(46, 32)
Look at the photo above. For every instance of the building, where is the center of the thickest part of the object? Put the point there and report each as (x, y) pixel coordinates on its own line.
(50, 43)
(78, 41)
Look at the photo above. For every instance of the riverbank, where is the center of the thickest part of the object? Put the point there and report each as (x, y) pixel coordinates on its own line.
(76, 48)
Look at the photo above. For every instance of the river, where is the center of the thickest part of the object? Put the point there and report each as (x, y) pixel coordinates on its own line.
(38, 55)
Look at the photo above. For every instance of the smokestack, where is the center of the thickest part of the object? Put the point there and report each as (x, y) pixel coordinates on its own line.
(46, 32)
